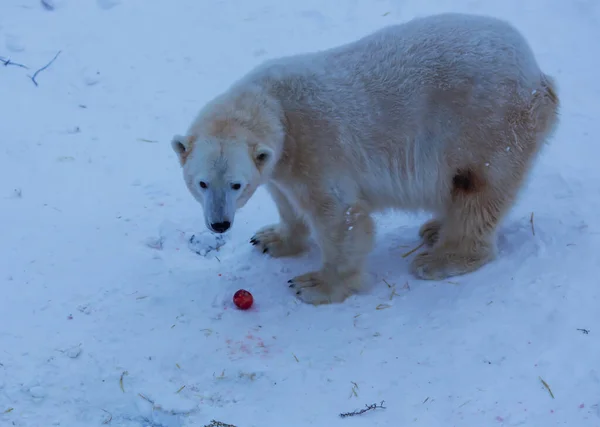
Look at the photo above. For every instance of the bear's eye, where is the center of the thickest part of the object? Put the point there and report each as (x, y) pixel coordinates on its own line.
(203, 185)
(236, 186)
(262, 157)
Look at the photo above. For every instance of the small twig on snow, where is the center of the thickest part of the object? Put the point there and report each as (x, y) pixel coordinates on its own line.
(532, 226)
(215, 423)
(585, 331)
(362, 411)
(43, 68)
(6, 62)
(109, 419)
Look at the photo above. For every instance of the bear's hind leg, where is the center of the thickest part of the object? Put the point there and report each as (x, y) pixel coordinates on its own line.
(466, 239)
(289, 237)
(346, 236)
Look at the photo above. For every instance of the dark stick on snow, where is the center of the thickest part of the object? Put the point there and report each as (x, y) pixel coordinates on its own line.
(47, 5)
(7, 62)
(585, 331)
(362, 411)
(215, 423)
(43, 68)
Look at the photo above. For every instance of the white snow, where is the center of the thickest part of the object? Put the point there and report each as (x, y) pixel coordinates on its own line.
(100, 280)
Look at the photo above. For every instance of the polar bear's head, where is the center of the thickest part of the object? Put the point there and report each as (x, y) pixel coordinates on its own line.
(222, 173)
(231, 148)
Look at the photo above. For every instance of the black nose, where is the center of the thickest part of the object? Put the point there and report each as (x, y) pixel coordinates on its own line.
(220, 227)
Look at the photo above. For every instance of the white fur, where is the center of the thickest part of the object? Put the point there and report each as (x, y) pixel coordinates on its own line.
(444, 113)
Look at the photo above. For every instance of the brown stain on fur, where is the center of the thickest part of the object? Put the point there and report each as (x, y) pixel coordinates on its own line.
(466, 182)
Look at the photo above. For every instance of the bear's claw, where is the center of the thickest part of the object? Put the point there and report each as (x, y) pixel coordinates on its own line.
(270, 240)
(293, 285)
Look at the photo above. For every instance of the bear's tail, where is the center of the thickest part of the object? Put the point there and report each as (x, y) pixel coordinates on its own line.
(544, 107)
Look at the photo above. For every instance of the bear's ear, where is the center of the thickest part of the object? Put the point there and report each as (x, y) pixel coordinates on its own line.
(262, 156)
(179, 144)
(182, 146)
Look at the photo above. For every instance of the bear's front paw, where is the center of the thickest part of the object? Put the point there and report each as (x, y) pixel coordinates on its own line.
(311, 288)
(270, 240)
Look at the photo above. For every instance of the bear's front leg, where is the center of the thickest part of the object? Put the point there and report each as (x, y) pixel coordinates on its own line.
(289, 237)
(346, 236)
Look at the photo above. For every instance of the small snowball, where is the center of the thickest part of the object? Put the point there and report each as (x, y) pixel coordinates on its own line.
(107, 4)
(37, 391)
(14, 43)
(51, 5)
(73, 352)
(205, 243)
(91, 77)
(155, 242)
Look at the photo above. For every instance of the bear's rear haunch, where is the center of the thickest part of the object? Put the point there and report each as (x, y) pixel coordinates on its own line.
(445, 113)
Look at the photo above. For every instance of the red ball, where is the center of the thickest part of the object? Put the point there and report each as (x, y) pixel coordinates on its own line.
(243, 299)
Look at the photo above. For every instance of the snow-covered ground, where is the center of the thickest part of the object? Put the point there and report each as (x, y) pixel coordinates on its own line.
(106, 307)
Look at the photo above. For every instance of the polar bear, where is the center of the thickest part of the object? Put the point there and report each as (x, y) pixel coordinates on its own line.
(444, 114)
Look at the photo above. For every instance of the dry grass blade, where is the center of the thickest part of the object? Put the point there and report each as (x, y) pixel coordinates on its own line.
(547, 387)
(9, 410)
(354, 391)
(147, 399)
(181, 388)
(412, 251)
(382, 306)
(532, 226)
(121, 381)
